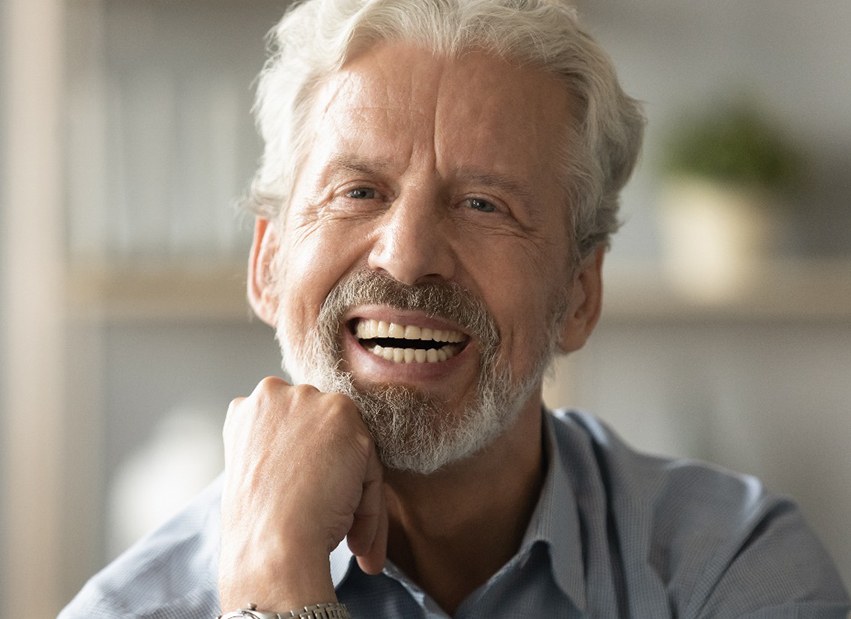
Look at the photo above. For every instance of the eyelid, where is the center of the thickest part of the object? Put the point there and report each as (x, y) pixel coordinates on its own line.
(492, 208)
(366, 188)
(498, 206)
(377, 193)
(359, 184)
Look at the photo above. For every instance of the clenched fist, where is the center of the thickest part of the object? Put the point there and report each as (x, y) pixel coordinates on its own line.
(301, 474)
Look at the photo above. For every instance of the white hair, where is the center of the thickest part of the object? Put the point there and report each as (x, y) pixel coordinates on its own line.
(317, 37)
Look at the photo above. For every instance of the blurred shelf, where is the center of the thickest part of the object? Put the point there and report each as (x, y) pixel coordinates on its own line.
(781, 290)
(153, 291)
(635, 292)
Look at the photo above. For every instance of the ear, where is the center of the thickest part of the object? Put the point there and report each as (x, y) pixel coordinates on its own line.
(262, 293)
(584, 303)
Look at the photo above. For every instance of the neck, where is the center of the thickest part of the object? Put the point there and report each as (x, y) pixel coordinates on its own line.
(451, 531)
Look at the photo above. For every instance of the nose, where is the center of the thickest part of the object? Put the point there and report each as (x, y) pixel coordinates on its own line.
(413, 243)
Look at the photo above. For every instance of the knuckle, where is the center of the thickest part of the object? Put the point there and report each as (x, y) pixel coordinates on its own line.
(302, 396)
(339, 402)
(304, 391)
(340, 410)
(269, 384)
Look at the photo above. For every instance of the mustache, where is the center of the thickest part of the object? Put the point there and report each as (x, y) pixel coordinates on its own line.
(440, 299)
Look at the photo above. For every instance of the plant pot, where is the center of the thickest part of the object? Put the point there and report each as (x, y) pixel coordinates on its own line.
(715, 236)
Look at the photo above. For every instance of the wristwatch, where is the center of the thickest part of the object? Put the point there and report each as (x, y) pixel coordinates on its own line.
(316, 611)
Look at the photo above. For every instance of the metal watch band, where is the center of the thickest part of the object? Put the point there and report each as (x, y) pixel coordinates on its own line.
(322, 611)
(333, 610)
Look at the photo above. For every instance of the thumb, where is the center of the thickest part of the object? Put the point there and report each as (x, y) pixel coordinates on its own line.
(367, 537)
(372, 561)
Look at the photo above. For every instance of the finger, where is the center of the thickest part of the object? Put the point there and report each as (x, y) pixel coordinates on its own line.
(373, 561)
(367, 536)
(367, 515)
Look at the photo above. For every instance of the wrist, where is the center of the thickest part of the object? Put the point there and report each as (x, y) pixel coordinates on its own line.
(282, 579)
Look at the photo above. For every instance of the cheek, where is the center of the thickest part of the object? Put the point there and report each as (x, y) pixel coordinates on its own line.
(313, 264)
(526, 323)
(522, 298)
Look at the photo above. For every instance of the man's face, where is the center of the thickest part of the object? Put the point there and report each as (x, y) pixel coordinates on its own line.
(429, 220)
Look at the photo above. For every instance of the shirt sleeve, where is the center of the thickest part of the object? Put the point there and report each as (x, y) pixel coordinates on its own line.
(780, 570)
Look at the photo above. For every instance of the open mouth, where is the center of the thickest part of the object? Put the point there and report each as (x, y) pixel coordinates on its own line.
(408, 343)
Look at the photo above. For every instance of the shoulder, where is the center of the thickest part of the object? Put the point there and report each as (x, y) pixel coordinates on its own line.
(712, 542)
(169, 574)
(633, 480)
(659, 503)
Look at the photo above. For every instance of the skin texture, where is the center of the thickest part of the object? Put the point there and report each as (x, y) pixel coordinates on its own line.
(423, 168)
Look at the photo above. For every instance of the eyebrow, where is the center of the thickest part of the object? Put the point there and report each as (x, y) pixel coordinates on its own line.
(474, 175)
(510, 185)
(358, 164)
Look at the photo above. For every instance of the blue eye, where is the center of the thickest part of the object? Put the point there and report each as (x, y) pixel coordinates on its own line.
(481, 205)
(361, 193)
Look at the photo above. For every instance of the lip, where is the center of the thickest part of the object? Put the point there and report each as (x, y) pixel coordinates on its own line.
(389, 314)
(371, 368)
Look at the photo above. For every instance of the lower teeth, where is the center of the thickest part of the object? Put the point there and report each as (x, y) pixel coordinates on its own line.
(413, 355)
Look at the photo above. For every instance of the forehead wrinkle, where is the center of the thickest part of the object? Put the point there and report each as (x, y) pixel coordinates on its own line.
(352, 94)
(358, 138)
(463, 102)
(437, 99)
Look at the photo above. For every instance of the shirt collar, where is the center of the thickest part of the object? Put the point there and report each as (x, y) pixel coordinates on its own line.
(342, 561)
(554, 522)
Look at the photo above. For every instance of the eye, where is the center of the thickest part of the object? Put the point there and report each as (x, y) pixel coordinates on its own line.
(361, 193)
(478, 204)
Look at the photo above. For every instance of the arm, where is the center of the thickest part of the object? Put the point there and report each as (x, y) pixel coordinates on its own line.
(781, 570)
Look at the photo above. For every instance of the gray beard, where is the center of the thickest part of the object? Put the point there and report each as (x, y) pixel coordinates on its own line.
(415, 431)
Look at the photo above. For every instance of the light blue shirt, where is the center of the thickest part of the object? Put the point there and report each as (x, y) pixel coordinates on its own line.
(615, 534)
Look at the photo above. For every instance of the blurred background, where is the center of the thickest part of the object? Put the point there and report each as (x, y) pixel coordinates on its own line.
(126, 141)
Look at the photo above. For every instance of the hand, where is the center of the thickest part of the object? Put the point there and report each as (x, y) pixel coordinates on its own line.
(301, 473)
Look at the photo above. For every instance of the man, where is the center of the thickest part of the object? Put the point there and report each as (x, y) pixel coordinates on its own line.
(439, 183)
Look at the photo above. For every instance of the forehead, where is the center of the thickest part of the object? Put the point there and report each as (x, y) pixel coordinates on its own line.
(398, 100)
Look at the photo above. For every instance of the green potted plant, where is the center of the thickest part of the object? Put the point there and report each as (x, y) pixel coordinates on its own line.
(734, 145)
(727, 173)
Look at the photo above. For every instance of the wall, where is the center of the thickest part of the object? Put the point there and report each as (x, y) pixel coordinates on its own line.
(160, 145)
(794, 58)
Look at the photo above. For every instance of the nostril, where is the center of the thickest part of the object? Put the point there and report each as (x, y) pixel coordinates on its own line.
(413, 243)
(414, 263)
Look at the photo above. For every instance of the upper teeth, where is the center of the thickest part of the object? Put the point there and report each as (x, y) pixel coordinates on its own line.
(372, 329)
